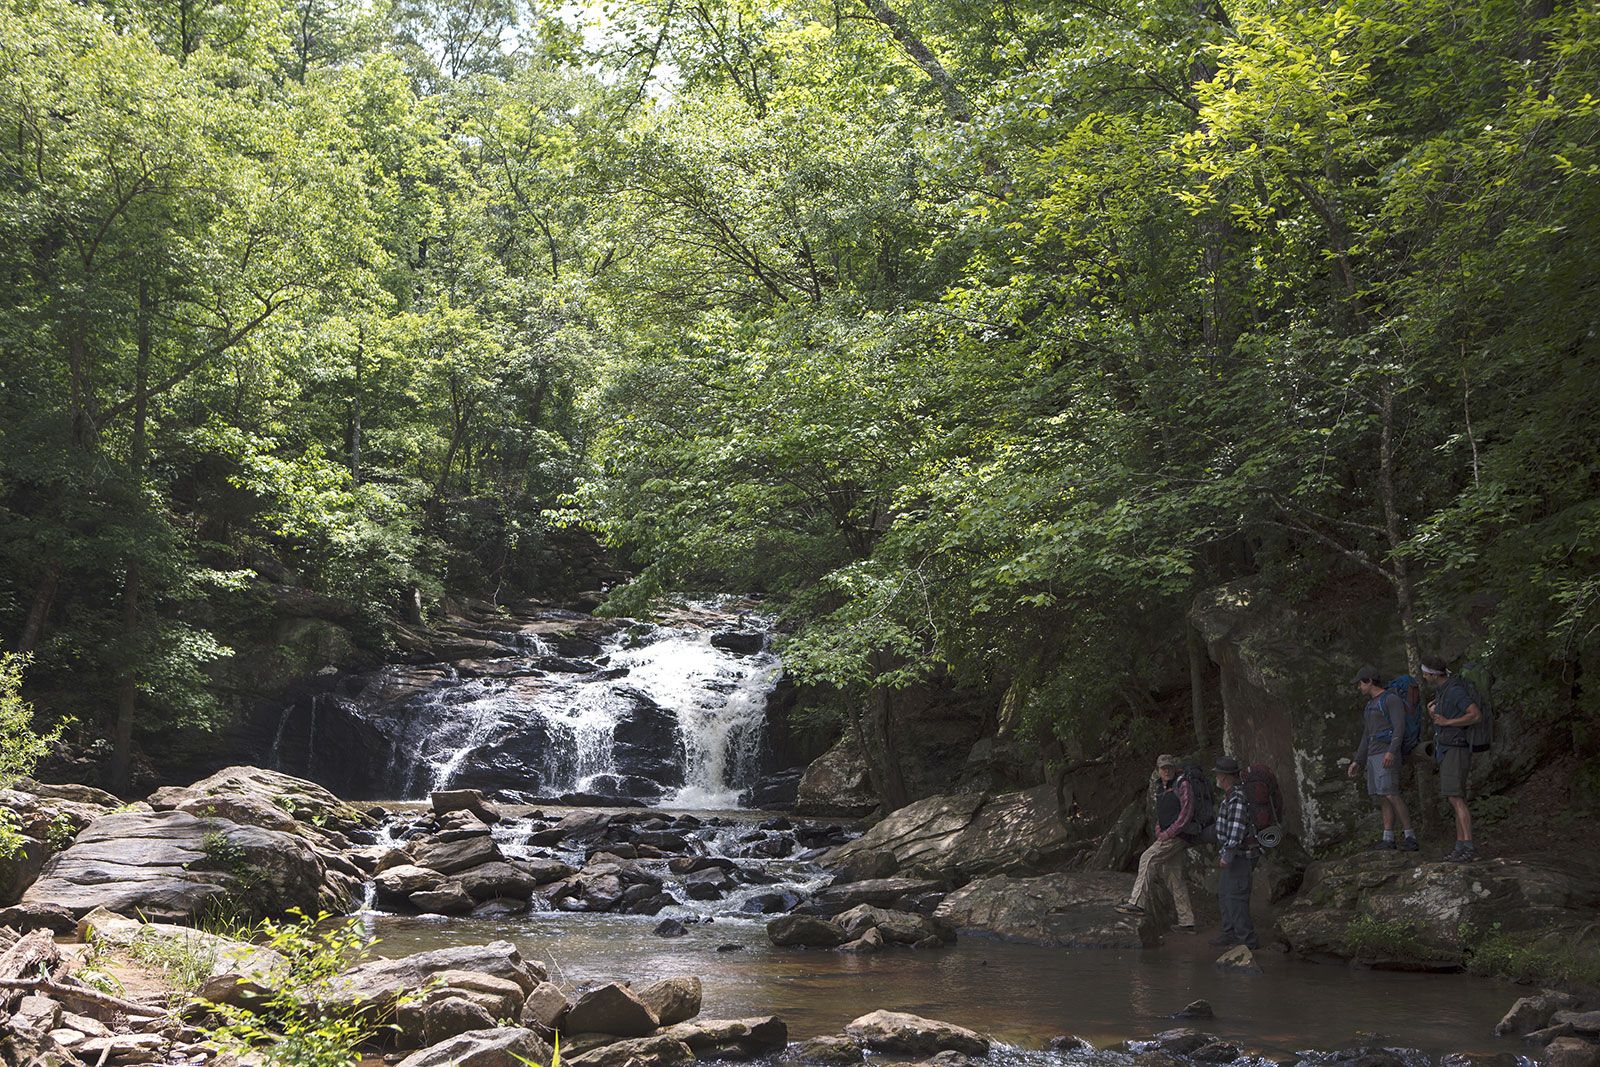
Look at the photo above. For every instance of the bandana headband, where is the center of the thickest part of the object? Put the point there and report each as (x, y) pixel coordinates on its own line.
(1426, 669)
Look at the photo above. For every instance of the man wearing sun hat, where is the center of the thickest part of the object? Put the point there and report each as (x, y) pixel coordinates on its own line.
(1177, 812)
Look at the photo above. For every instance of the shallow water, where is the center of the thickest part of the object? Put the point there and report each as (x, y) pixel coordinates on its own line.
(1020, 994)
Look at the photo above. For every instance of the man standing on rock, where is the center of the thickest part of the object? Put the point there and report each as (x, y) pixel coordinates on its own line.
(1454, 710)
(1240, 850)
(1176, 815)
(1383, 723)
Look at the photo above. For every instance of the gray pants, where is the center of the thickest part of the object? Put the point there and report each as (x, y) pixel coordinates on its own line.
(1233, 894)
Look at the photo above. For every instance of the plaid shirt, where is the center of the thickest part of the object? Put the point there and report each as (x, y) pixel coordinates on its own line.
(1234, 831)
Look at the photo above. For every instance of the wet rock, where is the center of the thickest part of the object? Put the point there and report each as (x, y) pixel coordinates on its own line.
(1584, 1022)
(1068, 1043)
(397, 883)
(831, 1050)
(445, 801)
(500, 879)
(448, 899)
(673, 1000)
(871, 940)
(1215, 1052)
(1435, 899)
(1540, 1038)
(770, 903)
(864, 865)
(657, 1051)
(1182, 1041)
(500, 1046)
(1479, 1059)
(806, 931)
(967, 835)
(837, 783)
(611, 1009)
(1196, 1009)
(1072, 909)
(730, 947)
(1532, 1012)
(450, 1016)
(500, 908)
(544, 871)
(692, 864)
(452, 857)
(732, 1039)
(879, 892)
(1572, 1052)
(1239, 958)
(907, 1034)
(377, 984)
(905, 928)
(739, 642)
(545, 1008)
(172, 866)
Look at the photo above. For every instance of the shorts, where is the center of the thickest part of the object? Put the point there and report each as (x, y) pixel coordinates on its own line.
(1453, 767)
(1382, 781)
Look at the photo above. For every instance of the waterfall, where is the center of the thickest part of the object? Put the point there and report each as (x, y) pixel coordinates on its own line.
(668, 714)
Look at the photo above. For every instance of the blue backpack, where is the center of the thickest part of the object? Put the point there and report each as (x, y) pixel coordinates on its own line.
(1410, 693)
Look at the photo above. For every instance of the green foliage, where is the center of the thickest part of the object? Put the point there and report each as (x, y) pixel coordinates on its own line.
(186, 960)
(21, 746)
(1367, 938)
(1531, 959)
(298, 1022)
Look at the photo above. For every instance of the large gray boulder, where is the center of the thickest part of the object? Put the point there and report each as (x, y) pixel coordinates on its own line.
(170, 866)
(877, 892)
(732, 1039)
(911, 1035)
(452, 857)
(501, 1046)
(805, 931)
(1431, 904)
(611, 1009)
(1071, 909)
(967, 835)
(306, 802)
(836, 783)
(673, 1000)
(901, 927)
(379, 983)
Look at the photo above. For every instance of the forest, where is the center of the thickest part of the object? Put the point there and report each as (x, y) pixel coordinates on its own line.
(979, 337)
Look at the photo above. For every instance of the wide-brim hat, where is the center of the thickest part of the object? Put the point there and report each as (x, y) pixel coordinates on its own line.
(1227, 765)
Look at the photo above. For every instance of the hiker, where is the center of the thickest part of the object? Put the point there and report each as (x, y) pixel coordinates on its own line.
(1237, 837)
(1380, 753)
(1455, 711)
(1178, 819)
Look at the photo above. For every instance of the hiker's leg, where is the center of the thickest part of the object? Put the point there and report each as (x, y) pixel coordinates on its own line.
(1141, 881)
(1387, 805)
(1463, 818)
(1398, 804)
(1172, 874)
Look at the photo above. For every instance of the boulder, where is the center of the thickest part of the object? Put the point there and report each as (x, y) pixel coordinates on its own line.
(837, 783)
(447, 1017)
(447, 899)
(545, 1008)
(1072, 909)
(452, 857)
(831, 1050)
(543, 871)
(1583, 1022)
(1430, 903)
(732, 1039)
(865, 864)
(241, 808)
(379, 983)
(445, 801)
(659, 1050)
(1533, 1012)
(967, 835)
(912, 1035)
(171, 866)
(900, 927)
(806, 931)
(1239, 958)
(397, 883)
(673, 1000)
(306, 801)
(1181, 1041)
(871, 940)
(611, 1009)
(1572, 1052)
(503, 879)
(500, 1046)
(1196, 1009)
(37, 915)
(879, 892)
(670, 928)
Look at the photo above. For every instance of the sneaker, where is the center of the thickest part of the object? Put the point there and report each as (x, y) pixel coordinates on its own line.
(1463, 855)
(1130, 909)
(1409, 844)
(1383, 846)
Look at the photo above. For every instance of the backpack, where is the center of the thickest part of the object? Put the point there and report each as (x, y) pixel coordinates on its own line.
(1481, 733)
(1410, 693)
(1263, 799)
(1205, 802)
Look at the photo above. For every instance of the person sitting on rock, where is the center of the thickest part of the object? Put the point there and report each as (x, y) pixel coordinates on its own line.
(1237, 838)
(1380, 755)
(1177, 814)
(1454, 711)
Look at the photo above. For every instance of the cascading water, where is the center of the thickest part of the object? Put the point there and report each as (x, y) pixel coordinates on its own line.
(572, 706)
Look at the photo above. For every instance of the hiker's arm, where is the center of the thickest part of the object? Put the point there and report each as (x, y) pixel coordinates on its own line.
(1473, 715)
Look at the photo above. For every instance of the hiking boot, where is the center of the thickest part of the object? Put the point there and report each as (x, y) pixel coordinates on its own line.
(1130, 909)
(1409, 844)
(1383, 846)
(1463, 855)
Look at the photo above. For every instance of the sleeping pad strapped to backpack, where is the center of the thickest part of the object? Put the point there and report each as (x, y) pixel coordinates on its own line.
(1263, 798)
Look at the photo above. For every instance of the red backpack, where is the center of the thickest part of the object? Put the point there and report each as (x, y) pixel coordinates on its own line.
(1263, 798)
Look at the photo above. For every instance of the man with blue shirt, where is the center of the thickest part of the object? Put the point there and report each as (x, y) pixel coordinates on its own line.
(1380, 754)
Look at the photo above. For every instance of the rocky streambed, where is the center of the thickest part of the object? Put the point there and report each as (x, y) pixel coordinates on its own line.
(658, 937)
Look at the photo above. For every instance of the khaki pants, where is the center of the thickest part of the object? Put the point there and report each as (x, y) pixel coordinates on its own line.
(1165, 859)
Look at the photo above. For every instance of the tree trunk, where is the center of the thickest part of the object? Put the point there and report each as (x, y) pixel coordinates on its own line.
(128, 686)
(1404, 597)
(1197, 687)
(39, 612)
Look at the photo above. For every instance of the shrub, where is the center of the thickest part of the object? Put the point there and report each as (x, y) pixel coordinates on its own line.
(1529, 959)
(1368, 938)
